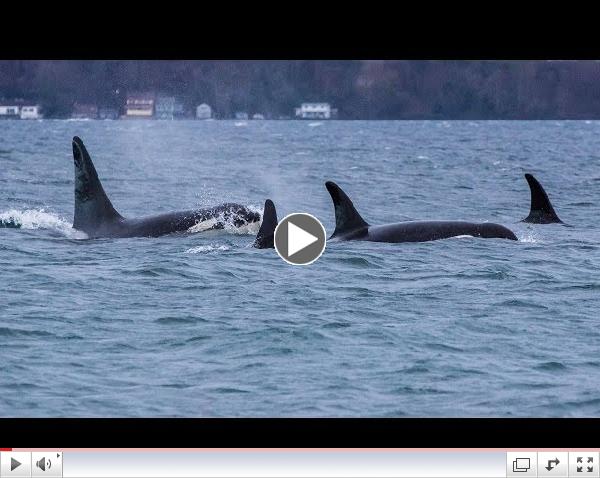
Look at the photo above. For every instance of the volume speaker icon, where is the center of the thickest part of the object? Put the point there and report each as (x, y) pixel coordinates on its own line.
(43, 464)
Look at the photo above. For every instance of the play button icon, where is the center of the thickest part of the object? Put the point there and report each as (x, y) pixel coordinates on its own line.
(16, 464)
(300, 239)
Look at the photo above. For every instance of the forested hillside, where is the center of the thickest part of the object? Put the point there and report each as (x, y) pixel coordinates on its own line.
(359, 89)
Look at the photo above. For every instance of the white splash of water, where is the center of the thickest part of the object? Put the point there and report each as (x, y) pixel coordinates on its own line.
(529, 236)
(250, 228)
(39, 219)
(206, 249)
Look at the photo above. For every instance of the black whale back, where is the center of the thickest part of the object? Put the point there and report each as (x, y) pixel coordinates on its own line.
(347, 218)
(92, 206)
(350, 226)
(541, 211)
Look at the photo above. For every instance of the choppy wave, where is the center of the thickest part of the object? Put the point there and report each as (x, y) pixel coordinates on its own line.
(38, 219)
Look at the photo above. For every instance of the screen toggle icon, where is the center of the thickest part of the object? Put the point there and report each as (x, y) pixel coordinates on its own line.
(43, 464)
(521, 465)
(589, 460)
(583, 463)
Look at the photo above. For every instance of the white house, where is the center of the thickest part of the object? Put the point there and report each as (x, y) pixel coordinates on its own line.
(314, 111)
(203, 111)
(9, 111)
(168, 107)
(31, 112)
(140, 105)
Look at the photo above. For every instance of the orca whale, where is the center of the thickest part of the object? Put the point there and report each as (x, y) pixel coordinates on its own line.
(541, 211)
(265, 239)
(350, 226)
(95, 215)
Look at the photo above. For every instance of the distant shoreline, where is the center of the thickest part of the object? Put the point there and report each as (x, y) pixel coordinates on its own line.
(233, 120)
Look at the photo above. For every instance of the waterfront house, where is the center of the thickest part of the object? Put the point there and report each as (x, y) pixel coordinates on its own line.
(31, 112)
(314, 111)
(84, 111)
(203, 111)
(10, 111)
(258, 116)
(140, 105)
(168, 107)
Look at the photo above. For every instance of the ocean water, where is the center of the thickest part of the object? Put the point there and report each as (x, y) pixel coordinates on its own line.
(205, 325)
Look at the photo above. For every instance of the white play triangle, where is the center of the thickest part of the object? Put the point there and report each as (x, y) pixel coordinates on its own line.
(298, 239)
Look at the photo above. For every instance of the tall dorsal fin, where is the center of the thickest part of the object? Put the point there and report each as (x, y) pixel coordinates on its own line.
(541, 211)
(92, 206)
(347, 219)
(265, 239)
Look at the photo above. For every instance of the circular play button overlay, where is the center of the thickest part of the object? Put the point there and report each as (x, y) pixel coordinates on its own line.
(300, 239)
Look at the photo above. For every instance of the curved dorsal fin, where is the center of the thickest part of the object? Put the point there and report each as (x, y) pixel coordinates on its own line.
(541, 211)
(92, 206)
(265, 238)
(347, 219)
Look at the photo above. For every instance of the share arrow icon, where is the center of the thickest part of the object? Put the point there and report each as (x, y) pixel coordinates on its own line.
(550, 467)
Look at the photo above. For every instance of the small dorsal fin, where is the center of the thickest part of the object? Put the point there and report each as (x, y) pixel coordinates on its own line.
(541, 211)
(265, 239)
(92, 206)
(347, 219)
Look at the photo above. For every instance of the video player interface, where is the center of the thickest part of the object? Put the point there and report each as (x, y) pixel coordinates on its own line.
(297, 463)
